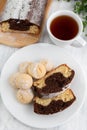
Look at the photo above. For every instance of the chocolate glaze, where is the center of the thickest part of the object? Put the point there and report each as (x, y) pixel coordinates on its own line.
(54, 83)
(53, 107)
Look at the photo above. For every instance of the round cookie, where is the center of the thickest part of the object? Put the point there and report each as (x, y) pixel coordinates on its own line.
(36, 70)
(23, 67)
(13, 78)
(25, 96)
(24, 81)
(48, 64)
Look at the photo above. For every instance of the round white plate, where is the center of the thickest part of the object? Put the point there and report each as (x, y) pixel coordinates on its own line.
(24, 113)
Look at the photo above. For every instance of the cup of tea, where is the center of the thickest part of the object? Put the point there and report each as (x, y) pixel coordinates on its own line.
(65, 28)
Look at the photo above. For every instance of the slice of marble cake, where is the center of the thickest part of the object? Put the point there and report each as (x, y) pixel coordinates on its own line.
(55, 104)
(54, 81)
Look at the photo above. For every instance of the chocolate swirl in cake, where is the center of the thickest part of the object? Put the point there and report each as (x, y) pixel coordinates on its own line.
(54, 81)
(55, 104)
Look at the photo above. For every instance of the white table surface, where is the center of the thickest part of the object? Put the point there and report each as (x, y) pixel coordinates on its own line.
(79, 121)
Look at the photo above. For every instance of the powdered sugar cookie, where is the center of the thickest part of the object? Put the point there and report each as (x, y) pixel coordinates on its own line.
(25, 96)
(23, 67)
(13, 79)
(48, 64)
(24, 81)
(36, 70)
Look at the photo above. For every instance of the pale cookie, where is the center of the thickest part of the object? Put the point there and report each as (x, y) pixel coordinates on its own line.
(24, 81)
(23, 67)
(25, 96)
(36, 70)
(13, 78)
(48, 64)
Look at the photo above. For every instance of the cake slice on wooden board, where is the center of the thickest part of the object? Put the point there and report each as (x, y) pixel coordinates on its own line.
(54, 81)
(20, 39)
(55, 104)
(23, 15)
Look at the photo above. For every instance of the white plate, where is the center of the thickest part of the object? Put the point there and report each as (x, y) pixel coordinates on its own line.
(24, 113)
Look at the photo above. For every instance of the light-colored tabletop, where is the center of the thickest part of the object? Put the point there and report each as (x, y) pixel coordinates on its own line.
(79, 121)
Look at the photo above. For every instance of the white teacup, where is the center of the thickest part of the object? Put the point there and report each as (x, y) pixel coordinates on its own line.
(77, 40)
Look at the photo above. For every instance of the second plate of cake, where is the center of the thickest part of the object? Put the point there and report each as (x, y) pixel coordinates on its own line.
(41, 111)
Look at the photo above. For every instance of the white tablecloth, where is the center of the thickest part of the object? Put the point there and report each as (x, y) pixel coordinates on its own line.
(79, 121)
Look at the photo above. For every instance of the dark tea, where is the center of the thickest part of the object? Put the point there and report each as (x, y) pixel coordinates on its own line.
(64, 27)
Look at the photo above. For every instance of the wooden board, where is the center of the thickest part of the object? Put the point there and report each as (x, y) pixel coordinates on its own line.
(20, 39)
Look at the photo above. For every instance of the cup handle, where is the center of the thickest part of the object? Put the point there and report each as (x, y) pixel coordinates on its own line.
(79, 42)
